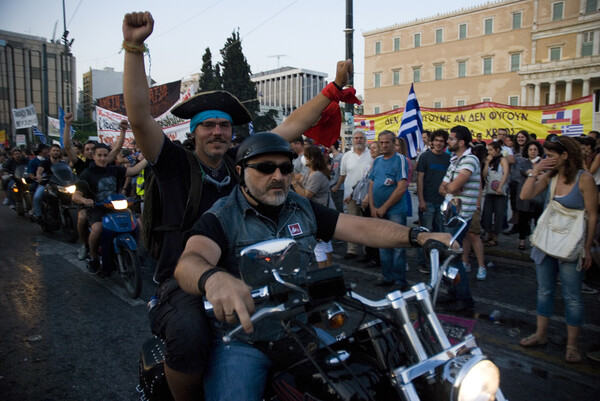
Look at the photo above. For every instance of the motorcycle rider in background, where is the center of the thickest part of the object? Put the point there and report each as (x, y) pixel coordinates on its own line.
(42, 175)
(9, 167)
(95, 184)
(261, 207)
(80, 164)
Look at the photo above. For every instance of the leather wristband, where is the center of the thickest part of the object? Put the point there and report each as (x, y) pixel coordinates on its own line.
(413, 235)
(205, 276)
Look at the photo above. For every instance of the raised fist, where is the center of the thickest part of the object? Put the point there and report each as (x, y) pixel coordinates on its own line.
(137, 27)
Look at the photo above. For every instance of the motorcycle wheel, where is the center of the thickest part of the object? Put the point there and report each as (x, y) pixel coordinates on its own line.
(19, 207)
(70, 227)
(131, 271)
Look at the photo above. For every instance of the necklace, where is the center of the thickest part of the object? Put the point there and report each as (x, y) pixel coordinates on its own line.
(213, 172)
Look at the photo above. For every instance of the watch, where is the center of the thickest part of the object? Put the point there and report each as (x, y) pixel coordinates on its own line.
(414, 234)
(530, 174)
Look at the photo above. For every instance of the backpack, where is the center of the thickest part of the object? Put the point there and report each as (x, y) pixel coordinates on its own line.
(153, 229)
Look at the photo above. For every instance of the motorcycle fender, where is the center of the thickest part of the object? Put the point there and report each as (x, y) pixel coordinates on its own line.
(126, 241)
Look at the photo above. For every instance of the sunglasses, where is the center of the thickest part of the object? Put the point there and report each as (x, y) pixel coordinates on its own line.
(556, 140)
(270, 167)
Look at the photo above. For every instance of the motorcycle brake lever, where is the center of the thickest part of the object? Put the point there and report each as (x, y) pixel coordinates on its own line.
(257, 317)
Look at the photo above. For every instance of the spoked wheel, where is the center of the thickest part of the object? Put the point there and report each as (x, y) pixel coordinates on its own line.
(131, 271)
(70, 227)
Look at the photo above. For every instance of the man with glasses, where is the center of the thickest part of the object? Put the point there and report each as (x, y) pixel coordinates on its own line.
(463, 182)
(178, 317)
(262, 207)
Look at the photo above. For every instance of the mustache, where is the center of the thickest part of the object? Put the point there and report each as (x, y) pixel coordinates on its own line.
(218, 140)
(276, 184)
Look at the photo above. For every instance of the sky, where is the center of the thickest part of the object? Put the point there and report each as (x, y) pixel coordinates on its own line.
(306, 34)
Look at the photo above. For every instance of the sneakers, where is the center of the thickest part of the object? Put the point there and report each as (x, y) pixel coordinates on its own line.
(83, 253)
(467, 267)
(586, 289)
(481, 273)
(94, 266)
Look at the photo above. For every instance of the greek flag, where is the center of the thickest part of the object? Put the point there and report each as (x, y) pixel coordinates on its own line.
(39, 134)
(251, 128)
(61, 121)
(411, 126)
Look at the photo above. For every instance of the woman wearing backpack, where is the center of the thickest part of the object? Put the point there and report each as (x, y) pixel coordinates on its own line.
(573, 189)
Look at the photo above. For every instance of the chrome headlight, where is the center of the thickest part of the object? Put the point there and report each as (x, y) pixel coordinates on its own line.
(471, 378)
(67, 190)
(119, 204)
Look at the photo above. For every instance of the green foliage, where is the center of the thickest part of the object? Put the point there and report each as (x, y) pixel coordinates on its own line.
(210, 79)
(84, 128)
(265, 122)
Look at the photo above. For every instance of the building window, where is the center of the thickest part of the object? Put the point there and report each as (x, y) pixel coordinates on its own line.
(417, 40)
(555, 53)
(376, 110)
(515, 62)
(591, 6)
(417, 74)
(462, 31)
(377, 80)
(462, 69)
(396, 44)
(461, 102)
(396, 106)
(438, 72)
(396, 77)
(486, 99)
(439, 35)
(513, 100)
(377, 47)
(557, 11)
(488, 26)
(437, 105)
(587, 44)
(516, 20)
(487, 66)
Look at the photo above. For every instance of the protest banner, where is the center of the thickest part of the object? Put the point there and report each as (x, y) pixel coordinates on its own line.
(25, 117)
(571, 118)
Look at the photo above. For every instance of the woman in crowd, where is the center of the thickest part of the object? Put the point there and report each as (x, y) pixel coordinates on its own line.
(495, 172)
(575, 189)
(518, 143)
(591, 158)
(532, 154)
(315, 186)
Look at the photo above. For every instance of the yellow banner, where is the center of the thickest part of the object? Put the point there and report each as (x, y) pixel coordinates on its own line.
(2, 136)
(571, 118)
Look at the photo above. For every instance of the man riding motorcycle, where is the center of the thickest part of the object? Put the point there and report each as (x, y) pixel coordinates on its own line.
(43, 173)
(9, 168)
(95, 184)
(261, 207)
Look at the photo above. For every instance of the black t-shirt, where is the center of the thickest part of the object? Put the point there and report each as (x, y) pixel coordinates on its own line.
(98, 183)
(46, 164)
(12, 163)
(172, 172)
(80, 165)
(434, 167)
(209, 226)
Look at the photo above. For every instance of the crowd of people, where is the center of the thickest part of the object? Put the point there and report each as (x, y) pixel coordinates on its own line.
(222, 197)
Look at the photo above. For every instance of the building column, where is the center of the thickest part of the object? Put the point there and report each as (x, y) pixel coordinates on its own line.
(568, 90)
(552, 93)
(536, 94)
(523, 94)
(586, 87)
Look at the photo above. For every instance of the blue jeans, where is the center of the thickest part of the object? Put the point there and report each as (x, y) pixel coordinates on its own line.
(237, 371)
(431, 219)
(571, 279)
(393, 260)
(461, 290)
(37, 200)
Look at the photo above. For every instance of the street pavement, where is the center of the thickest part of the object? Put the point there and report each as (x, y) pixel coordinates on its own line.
(68, 335)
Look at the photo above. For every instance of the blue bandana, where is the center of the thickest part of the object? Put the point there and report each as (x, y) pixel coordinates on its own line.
(205, 115)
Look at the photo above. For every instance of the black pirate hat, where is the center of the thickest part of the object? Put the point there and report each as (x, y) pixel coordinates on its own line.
(213, 100)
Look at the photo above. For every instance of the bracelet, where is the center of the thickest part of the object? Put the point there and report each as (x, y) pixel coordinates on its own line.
(135, 49)
(413, 235)
(205, 276)
(337, 86)
(332, 91)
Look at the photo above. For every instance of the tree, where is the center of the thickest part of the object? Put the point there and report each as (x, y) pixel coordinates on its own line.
(265, 122)
(210, 79)
(236, 77)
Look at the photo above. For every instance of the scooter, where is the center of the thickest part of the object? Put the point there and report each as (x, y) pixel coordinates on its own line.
(20, 190)
(397, 350)
(58, 210)
(118, 243)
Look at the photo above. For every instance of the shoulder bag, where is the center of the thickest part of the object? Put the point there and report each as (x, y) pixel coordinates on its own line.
(560, 231)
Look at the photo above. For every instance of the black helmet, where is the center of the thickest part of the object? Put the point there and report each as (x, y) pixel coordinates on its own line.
(260, 144)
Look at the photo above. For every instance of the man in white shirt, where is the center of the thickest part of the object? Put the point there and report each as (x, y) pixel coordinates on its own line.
(354, 164)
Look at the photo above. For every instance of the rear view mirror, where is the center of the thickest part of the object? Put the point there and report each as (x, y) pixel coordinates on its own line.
(450, 210)
(258, 261)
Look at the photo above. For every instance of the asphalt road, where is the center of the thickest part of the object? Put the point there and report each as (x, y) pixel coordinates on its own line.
(67, 335)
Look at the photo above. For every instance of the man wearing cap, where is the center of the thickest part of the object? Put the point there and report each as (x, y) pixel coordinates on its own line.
(179, 317)
(260, 208)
